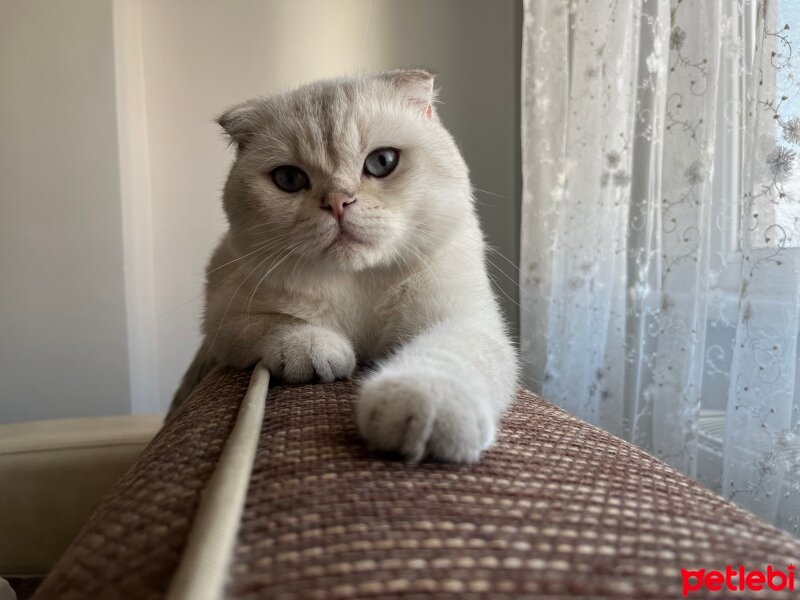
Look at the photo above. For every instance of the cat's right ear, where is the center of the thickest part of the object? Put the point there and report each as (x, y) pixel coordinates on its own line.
(240, 123)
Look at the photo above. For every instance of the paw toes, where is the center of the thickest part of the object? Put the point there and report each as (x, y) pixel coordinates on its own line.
(298, 369)
(463, 433)
(394, 418)
(324, 371)
(337, 365)
(312, 352)
(424, 418)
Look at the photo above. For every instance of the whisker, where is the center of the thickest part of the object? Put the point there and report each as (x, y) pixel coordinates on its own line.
(477, 189)
(230, 302)
(273, 266)
(260, 247)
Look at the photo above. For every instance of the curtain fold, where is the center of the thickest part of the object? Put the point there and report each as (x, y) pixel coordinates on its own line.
(661, 232)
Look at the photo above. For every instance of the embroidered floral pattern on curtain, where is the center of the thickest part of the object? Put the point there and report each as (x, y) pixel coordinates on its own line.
(661, 231)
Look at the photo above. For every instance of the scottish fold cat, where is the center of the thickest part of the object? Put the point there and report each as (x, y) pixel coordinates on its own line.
(353, 239)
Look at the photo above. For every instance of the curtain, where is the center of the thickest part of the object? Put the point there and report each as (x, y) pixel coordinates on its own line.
(660, 258)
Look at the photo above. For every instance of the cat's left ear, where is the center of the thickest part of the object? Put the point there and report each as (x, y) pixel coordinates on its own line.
(241, 121)
(416, 85)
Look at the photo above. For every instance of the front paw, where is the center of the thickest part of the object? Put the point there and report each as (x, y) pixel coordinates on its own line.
(307, 351)
(424, 416)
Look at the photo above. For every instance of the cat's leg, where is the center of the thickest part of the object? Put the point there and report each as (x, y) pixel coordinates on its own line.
(296, 351)
(440, 395)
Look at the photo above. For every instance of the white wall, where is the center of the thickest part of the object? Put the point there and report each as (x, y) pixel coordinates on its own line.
(62, 311)
(153, 155)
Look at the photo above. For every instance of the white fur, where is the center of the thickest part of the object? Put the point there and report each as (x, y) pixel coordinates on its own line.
(408, 289)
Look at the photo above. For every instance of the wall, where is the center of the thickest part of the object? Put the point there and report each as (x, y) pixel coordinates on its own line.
(111, 166)
(200, 57)
(62, 306)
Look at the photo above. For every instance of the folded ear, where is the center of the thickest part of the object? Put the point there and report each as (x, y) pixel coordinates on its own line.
(241, 121)
(416, 85)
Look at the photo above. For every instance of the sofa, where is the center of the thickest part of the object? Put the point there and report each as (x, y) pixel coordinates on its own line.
(252, 490)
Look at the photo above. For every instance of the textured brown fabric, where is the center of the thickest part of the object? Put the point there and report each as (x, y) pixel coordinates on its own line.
(557, 508)
(132, 544)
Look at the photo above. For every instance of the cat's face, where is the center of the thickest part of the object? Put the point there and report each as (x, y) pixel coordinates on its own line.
(349, 173)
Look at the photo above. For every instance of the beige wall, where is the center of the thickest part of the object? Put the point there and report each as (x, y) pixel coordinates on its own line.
(62, 310)
(177, 64)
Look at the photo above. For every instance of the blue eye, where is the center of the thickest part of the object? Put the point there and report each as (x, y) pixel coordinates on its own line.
(290, 179)
(381, 162)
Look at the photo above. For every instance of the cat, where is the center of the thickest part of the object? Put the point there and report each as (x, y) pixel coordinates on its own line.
(353, 238)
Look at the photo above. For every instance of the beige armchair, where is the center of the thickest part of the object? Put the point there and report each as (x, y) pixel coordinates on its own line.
(52, 476)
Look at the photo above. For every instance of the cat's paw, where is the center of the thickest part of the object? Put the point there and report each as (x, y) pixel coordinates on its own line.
(424, 417)
(307, 352)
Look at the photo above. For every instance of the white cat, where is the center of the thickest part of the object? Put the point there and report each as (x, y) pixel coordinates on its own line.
(353, 238)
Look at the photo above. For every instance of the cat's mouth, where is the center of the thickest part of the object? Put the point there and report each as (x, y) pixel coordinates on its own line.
(345, 240)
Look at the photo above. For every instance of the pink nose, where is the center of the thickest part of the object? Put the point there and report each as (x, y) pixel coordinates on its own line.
(337, 203)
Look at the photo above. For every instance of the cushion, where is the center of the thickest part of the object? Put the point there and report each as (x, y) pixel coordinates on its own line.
(556, 508)
(53, 474)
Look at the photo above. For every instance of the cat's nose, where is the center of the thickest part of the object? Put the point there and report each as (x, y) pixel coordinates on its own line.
(337, 203)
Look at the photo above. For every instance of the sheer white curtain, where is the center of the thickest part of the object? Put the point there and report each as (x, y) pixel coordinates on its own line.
(661, 232)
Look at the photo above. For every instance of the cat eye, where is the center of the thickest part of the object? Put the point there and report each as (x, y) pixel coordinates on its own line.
(290, 179)
(381, 162)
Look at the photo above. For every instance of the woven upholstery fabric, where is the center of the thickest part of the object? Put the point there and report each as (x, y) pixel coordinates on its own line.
(131, 545)
(557, 508)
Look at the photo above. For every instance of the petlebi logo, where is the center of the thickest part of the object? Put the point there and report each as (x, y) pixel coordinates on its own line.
(738, 579)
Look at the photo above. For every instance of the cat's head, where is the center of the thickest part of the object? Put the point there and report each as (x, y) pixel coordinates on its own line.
(349, 173)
